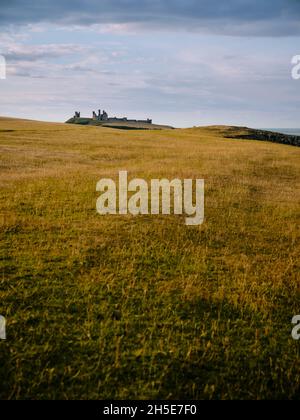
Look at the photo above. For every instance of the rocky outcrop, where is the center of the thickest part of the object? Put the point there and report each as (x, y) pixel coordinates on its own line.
(262, 135)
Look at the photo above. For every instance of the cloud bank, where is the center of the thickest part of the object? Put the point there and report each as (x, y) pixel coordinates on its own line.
(230, 17)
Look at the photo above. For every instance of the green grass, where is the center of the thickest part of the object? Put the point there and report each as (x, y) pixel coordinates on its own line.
(126, 307)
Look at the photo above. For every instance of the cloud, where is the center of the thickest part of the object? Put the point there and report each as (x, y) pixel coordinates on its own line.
(57, 60)
(38, 52)
(233, 17)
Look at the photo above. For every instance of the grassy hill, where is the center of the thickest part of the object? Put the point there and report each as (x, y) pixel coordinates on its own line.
(146, 307)
(124, 125)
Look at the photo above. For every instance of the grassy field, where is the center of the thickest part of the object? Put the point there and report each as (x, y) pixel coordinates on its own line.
(127, 307)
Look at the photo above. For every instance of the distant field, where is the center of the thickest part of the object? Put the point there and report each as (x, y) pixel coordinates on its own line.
(124, 125)
(146, 307)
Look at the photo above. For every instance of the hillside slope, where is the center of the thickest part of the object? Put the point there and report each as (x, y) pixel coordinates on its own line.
(123, 125)
(146, 307)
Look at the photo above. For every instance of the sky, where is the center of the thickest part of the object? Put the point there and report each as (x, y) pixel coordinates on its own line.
(183, 63)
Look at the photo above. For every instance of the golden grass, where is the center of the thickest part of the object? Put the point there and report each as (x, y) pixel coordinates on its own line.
(146, 307)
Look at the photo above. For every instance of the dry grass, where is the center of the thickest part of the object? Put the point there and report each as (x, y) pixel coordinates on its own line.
(146, 307)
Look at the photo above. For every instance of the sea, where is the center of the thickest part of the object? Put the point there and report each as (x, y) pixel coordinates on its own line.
(291, 131)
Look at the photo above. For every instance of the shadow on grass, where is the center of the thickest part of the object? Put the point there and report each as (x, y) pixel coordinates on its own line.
(166, 349)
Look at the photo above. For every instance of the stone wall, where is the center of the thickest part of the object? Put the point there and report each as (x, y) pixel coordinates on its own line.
(261, 135)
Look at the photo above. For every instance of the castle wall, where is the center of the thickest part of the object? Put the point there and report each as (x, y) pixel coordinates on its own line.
(105, 118)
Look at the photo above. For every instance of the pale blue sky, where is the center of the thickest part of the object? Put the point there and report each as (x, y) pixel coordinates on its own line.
(184, 67)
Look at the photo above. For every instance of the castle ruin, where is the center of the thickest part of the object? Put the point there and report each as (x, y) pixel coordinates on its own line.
(103, 117)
